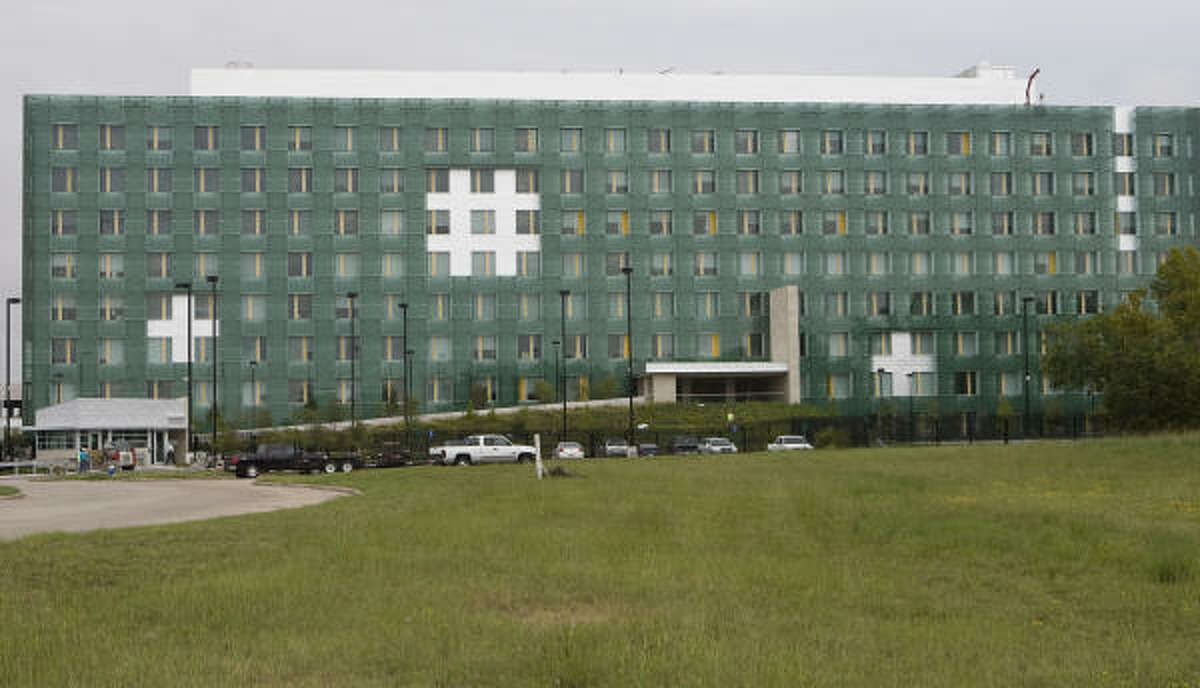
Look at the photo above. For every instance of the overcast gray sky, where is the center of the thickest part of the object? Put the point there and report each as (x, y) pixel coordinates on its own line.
(1102, 52)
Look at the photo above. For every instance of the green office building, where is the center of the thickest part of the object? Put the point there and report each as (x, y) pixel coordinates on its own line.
(801, 239)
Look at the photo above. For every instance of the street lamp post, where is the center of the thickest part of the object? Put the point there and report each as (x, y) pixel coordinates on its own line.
(879, 404)
(404, 364)
(351, 297)
(9, 303)
(912, 429)
(212, 282)
(253, 395)
(562, 382)
(1025, 301)
(557, 370)
(188, 439)
(629, 343)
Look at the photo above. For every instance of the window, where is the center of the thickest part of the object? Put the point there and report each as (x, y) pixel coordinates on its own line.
(962, 223)
(1083, 184)
(158, 306)
(439, 306)
(299, 138)
(879, 303)
(482, 140)
(112, 222)
(438, 264)
(158, 265)
(62, 308)
(965, 383)
(839, 344)
(1043, 223)
(299, 306)
(483, 307)
(112, 180)
(254, 138)
(1004, 263)
(791, 182)
(1002, 184)
(660, 264)
(529, 307)
(484, 348)
(440, 349)
(1081, 144)
(664, 305)
(663, 346)
(62, 223)
(658, 140)
(921, 263)
(1087, 301)
(750, 264)
(573, 265)
(482, 222)
(570, 140)
(704, 141)
(438, 221)
(838, 386)
(614, 140)
(921, 303)
(112, 265)
(1166, 224)
(706, 264)
(1164, 183)
(254, 180)
(918, 183)
(966, 343)
(877, 222)
(64, 137)
(528, 222)
(254, 307)
(749, 222)
(617, 304)
(437, 180)
(615, 262)
(661, 181)
(483, 263)
(158, 350)
(436, 139)
(875, 182)
(918, 222)
(529, 347)
(793, 263)
(64, 179)
(837, 304)
(1041, 144)
(704, 222)
(745, 141)
(660, 222)
(529, 264)
(1084, 222)
(831, 142)
(392, 265)
(300, 264)
(791, 222)
(300, 391)
(573, 222)
(959, 184)
(958, 143)
(345, 180)
(1002, 223)
(390, 139)
(962, 263)
(1163, 145)
(158, 180)
(875, 142)
(1001, 144)
(525, 140)
(1087, 262)
(111, 352)
(1126, 223)
(1124, 183)
(572, 181)
(206, 222)
(483, 181)
(833, 182)
(528, 180)
(1042, 183)
(789, 141)
(708, 345)
(616, 223)
(1045, 263)
(833, 222)
(879, 263)
(918, 143)
(112, 308)
(206, 138)
(708, 305)
(391, 222)
(300, 180)
(616, 182)
(299, 222)
(837, 263)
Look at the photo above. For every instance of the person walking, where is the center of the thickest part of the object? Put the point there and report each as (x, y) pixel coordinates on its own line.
(83, 460)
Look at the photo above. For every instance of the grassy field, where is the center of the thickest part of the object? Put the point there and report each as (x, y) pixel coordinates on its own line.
(8, 491)
(1037, 565)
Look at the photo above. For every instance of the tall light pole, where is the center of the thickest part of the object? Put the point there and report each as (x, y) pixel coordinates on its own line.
(188, 439)
(879, 403)
(557, 369)
(404, 364)
(1025, 301)
(562, 382)
(253, 395)
(628, 270)
(212, 282)
(9, 303)
(912, 429)
(351, 297)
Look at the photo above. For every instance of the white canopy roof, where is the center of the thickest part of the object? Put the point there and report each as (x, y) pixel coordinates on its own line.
(114, 414)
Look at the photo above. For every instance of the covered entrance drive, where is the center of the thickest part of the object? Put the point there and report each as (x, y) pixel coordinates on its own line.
(152, 428)
(704, 382)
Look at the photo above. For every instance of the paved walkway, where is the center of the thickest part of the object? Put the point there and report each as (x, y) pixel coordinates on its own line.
(82, 505)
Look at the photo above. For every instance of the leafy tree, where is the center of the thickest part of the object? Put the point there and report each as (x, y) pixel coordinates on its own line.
(1144, 356)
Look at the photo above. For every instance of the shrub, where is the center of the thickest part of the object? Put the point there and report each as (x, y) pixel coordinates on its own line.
(831, 438)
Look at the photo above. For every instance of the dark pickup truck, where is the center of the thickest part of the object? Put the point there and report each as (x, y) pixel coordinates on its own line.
(285, 457)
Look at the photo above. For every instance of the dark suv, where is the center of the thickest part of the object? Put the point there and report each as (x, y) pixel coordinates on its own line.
(685, 444)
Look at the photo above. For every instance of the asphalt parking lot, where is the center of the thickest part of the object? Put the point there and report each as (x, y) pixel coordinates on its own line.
(83, 505)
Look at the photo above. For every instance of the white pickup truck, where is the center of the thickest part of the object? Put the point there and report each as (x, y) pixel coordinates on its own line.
(481, 449)
(789, 443)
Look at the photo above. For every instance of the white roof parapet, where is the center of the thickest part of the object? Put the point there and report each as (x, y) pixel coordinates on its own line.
(979, 85)
(114, 414)
(717, 368)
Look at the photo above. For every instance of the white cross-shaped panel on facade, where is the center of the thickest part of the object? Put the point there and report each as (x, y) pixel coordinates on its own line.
(176, 328)
(505, 243)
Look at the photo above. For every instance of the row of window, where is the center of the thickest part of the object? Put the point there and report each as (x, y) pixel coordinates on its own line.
(701, 182)
(619, 222)
(617, 140)
(300, 264)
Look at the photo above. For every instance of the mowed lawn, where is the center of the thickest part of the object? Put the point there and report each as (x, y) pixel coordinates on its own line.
(1045, 564)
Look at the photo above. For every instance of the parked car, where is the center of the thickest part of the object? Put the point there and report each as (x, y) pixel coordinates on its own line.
(481, 449)
(615, 446)
(717, 445)
(568, 450)
(685, 444)
(789, 443)
(647, 449)
(285, 457)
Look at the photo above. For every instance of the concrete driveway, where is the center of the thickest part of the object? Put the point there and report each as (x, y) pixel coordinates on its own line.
(82, 505)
